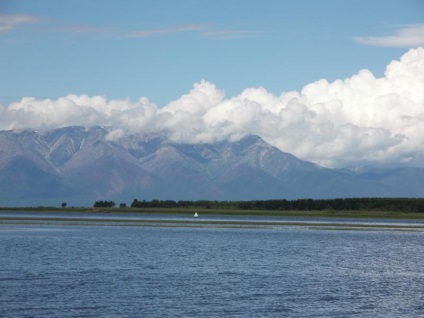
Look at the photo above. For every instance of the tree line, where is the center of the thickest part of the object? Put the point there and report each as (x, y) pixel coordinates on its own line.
(104, 204)
(345, 204)
(178, 204)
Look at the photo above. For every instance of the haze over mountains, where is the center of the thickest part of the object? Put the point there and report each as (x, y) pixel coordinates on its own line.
(78, 166)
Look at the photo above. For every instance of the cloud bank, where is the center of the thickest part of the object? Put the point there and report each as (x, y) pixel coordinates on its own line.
(359, 119)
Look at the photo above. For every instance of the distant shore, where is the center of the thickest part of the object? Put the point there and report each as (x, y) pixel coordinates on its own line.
(229, 212)
(211, 218)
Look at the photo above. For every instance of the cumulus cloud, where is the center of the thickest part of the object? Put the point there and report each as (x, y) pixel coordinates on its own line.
(359, 119)
(407, 37)
(84, 110)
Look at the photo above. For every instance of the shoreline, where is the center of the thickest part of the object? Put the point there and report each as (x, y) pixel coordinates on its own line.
(352, 214)
(211, 219)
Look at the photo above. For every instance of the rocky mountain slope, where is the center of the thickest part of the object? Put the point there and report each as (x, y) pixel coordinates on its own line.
(79, 166)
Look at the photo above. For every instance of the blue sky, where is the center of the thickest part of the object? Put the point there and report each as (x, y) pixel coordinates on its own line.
(158, 48)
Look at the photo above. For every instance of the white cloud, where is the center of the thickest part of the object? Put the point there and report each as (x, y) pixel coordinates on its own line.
(10, 22)
(79, 110)
(204, 30)
(163, 31)
(229, 34)
(406, 37)
(359, 119)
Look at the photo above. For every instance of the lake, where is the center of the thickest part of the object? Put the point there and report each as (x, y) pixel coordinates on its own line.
(174, 266)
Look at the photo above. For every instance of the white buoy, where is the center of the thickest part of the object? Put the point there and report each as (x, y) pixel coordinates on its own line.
(196, 215)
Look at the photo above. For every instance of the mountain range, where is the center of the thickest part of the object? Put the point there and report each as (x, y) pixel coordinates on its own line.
(79, 166)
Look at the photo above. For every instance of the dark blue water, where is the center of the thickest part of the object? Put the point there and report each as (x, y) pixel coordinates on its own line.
(113, 271)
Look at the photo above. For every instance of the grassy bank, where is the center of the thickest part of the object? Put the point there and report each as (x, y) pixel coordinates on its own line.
(233, 212)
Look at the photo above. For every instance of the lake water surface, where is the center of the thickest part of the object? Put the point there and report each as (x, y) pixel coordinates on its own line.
(173, 270)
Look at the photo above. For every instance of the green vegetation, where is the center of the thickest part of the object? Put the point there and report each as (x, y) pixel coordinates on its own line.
(350, 204)
(394, 208)
(104, 204)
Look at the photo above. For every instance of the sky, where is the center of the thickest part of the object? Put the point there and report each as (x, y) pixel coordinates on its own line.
(333, 82)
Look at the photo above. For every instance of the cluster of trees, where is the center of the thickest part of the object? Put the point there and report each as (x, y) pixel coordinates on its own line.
(174, 204)
(348, 204)
(104, 204)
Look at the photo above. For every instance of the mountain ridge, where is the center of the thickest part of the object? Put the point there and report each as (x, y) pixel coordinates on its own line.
(80, 165)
